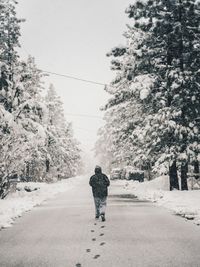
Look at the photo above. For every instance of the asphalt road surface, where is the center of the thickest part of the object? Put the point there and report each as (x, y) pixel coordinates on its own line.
(63, 233)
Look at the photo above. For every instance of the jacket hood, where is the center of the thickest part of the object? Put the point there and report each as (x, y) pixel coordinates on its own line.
(97, 169)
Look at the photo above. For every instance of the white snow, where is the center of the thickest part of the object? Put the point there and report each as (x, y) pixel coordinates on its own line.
(15, 204)
(183, 203)
(143, 84)
(144, 93)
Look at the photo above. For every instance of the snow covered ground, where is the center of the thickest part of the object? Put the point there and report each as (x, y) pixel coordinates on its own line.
(15, 204)
(183, 203)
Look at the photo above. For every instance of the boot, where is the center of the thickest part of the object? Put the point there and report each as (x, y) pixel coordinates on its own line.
(97, 216)
(103, 217)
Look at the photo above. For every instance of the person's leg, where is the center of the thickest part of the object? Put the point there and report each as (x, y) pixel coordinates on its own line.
(97, 207)
(102, 207)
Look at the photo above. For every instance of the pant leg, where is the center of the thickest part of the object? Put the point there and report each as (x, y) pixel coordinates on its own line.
(102, 205)
(97, 205)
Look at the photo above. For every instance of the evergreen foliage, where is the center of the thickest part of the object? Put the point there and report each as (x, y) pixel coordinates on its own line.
(36, 142)
(156, 93)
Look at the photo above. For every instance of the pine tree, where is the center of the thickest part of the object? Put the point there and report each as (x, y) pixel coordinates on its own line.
(34, 136)
(175, 31)
(163, 47)
(11, 147)
(30, 113)
(19, 85)
(63, 154)
(9, 41)
(125, 110)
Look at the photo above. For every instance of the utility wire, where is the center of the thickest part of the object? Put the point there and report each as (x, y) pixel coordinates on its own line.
(68, 76)
(73, 77)
(84, 115)
(85, 130)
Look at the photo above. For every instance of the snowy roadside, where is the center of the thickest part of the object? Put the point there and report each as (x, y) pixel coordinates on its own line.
(21, 201)
(183, 203)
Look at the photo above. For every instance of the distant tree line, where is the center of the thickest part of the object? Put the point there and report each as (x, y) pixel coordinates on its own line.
(153, 115)
(36, 141)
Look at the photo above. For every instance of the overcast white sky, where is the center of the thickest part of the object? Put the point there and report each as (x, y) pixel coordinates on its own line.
(72, 37)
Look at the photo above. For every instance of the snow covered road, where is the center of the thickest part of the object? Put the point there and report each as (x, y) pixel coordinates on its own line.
(62, 232)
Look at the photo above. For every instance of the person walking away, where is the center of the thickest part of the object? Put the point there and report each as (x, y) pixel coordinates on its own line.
(99, 183)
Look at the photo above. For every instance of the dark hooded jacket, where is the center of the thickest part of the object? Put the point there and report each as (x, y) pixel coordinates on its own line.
(99, 183)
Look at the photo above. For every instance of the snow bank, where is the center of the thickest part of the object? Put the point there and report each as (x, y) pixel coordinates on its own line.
(21, 201)
(183, 203)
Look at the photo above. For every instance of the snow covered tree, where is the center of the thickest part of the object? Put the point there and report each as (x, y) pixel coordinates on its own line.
(125, 109)
(26, 117)
(9, 41)
(163, 54)
(11, 145)
(30, 113)
(10, 131)
(34, 136)
(172, 48)
(19, 84)
(63, 153)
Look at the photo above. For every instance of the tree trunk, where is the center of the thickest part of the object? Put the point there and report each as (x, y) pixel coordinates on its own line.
(27, 172)
(173, 176)
(47, 165)
(149, 168)
(184, 171)
(180, 43)
(196, 168)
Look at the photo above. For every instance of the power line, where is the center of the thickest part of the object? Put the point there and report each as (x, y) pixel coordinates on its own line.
(67, 75)
(84, 115)
(85, 130)
(73, 77)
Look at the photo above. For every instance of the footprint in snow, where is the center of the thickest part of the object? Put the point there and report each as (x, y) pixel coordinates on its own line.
(93, 239)
(88, 250)
(101, 234)
(78, 265)
(102, 243)
(96, 256)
